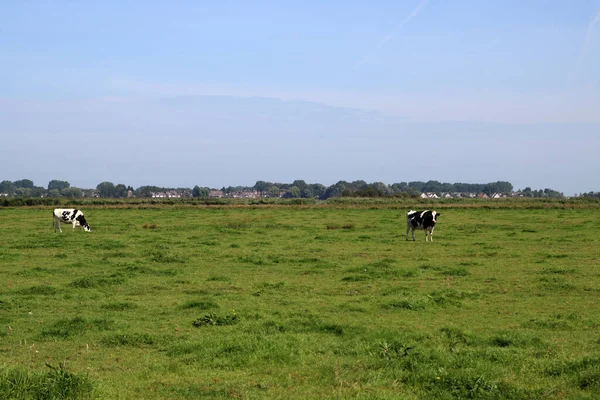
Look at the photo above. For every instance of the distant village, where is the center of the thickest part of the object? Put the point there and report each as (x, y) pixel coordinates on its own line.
(253, 194)
(297, 189)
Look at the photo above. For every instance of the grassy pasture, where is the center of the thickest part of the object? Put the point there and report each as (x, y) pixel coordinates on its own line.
(300, 302)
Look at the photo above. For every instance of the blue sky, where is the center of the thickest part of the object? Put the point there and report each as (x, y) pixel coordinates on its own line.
(226, 93)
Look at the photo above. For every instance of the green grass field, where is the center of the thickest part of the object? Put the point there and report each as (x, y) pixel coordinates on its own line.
(300, 302)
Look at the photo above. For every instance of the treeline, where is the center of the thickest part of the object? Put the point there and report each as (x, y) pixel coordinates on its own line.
(591, 195)
(360, 188)
(296, 189)
(58, 188)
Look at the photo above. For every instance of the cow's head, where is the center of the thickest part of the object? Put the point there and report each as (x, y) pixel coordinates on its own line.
(435, 215)
(81, 219)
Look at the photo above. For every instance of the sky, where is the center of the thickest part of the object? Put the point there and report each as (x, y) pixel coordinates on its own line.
(183, 93)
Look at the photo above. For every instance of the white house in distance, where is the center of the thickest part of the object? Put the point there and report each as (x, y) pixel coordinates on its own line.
(167, 194)
(458, 195)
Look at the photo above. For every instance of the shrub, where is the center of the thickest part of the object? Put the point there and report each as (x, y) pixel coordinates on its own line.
(213, 319)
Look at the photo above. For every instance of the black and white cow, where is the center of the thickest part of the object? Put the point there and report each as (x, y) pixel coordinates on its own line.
(421, 220)
(66, 215)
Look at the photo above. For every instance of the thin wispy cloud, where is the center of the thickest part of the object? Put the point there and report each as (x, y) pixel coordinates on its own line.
(413, 14)
(595, 20)
(590, 30)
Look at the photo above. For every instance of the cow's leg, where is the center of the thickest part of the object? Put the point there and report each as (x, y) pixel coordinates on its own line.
(74, 223)
(407, 229)
(413, 233)
(58, 224)
(431, 233)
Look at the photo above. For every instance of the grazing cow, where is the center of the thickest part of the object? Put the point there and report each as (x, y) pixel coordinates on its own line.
(72, 215)
(421, 220)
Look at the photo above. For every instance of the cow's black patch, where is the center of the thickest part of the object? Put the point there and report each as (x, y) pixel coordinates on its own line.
(81, 220)
(74, 214)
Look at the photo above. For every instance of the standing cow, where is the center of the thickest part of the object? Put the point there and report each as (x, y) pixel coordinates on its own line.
(66, 215)
(421, 220)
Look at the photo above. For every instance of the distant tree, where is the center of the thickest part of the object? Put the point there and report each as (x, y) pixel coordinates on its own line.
(293, 192)
(53, 193)
(274, 191)
(106, 189)
(317, 189)
(143, 191)
(527, 192)
(432, 186)
(146, 191)
(401, 187)
(234, 189)
(120, 191)
(552, 194)
(464, 188)
(402, 195)
(59, 185)
(300, 184)
(335, 190)
(7, 187)
(504, 187)
(307, 193)
(23, 192)
(381, 187)
(369, 191)
(198, 191)
(376, 189)
(261, 186)
(489, 189)
(356, 185)
(72, 192)
(497, 187)
(417, 186)
(24, 183)
(37, 191)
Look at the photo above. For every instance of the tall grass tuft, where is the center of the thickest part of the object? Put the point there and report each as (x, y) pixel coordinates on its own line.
(57, 383)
